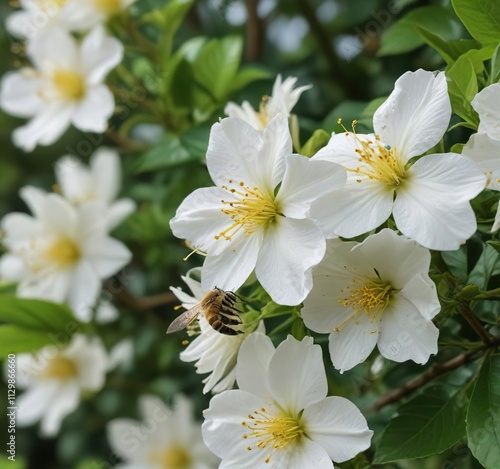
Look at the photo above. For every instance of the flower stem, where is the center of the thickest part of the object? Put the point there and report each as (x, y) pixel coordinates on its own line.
(475, 324)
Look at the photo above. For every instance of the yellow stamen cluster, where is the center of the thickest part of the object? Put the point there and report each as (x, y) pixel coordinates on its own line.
(60, 368)
(108, 7)
(263, 114)
(171, 458)
(253, 210)
(378, 161)
(63, 252)
(275, 432)
(370, 297)
(70, 85)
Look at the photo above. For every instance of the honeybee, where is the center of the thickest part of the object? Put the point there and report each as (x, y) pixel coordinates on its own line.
(219, 309)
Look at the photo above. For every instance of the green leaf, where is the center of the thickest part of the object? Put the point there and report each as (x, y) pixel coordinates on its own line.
(318, 140)
(495, 66)
(167, 152)
(402, 36)
(481, 18)
(449, 50)
(462, 87)
(249, 75)
(195, 141)
(483, 415)
(348, 111)
(487, 265)
(427, 424)
(35, 314)
(216, 65)
(170, 18)
(16, 339)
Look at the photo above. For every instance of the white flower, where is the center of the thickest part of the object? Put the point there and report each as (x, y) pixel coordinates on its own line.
(256, 217)
(61, 253)
(55, 379)
(101, 182)
(213, 352)
(377, 292)
(487, 105)
(41, 16)
(283, 99)
(65, 87)
(167, 438)
(429, 199)
(485, 152)
(89, 13)
(280, 417)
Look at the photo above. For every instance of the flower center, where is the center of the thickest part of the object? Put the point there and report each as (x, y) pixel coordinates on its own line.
(370, 298)
(63, 252)
(253, 210)
(60, 368)
(70, 85)
(49, 5)
(380, 162)
(108, 7)
(172, 458)
(271, 431)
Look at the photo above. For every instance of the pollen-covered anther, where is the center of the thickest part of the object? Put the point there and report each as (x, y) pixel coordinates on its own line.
(379, 162)
(272, 431)
(370, 298)
(250, 210)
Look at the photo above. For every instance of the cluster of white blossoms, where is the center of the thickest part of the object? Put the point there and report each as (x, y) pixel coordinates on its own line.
(282, 219)
(166, 438)
(63, 251)
(64, 83)
(54, 379)
(484, 147)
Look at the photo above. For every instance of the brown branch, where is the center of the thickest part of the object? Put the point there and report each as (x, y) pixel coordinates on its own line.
(255, 32)
(485, 336)
(437, 370)
(145, 303)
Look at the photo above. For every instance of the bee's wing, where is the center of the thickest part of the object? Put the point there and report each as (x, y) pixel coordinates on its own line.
(184, 319)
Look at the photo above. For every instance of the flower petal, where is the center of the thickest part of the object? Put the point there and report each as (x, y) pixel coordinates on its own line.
(59, 215)
(84, 290)
(106, 172)
(100, 53)
(57, 50)
(45, 128)
(119, 211)
(199, 218)
(297, 377)
(421, 292)
(338, 426)
(19, 93)
(277, 145)
(405, 334)
(123, 438)
(252, 370)
(432, 207)
(304, 181)
(354, 342)
(485, 152)
(396, 258)
(487, 105)
(34, 199)
(64, 403)
(230, 268)
(74, 179)
(106, 255)
(416, 115)
(354, 210)
(33, 403)
(223, 431)
(232, 153)
(92, 113)
(290, 248)
(12, 268)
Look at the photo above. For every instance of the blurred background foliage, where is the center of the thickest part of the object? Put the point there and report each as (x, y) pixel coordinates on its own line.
(184, 61)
